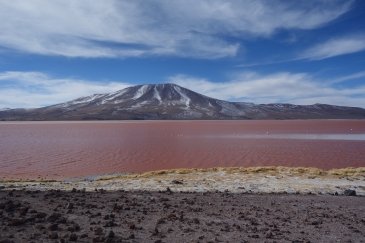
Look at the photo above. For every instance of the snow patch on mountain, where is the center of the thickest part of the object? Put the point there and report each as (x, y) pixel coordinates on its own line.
(141, 91)
(87, 99)
(113, 96)
(185, 99)
(156, 94)
(138, 105)
(82, 100)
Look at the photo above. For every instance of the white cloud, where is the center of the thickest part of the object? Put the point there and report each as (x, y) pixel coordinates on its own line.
(335, 47)
(36, 89)
(285, 87)
(121, 28)
(353, 76)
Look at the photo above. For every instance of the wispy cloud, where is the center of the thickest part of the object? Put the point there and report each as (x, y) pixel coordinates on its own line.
(265, 63)
(121, 28)
(335, 47)
(353, 76)
(284, 87)
(36, 89)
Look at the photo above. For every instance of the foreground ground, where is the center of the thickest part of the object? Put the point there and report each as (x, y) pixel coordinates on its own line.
(145, 216)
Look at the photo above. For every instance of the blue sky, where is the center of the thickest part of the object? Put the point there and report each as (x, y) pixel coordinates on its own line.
(263, 51)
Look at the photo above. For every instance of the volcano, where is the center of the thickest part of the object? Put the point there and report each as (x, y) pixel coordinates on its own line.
(173, 102)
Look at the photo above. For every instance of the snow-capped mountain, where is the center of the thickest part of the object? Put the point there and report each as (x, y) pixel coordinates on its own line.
(154, 101)
(171, 101)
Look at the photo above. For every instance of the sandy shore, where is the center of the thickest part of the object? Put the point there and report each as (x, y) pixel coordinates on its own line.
(237, 180)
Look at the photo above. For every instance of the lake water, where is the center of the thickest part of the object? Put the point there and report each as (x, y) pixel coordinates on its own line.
(72, 149)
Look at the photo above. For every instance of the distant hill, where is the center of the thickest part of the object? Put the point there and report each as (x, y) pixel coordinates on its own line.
(171, 101)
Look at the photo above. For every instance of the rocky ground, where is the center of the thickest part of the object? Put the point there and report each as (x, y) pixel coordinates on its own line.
(166, 216)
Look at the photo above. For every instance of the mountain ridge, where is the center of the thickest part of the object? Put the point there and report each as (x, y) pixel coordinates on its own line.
(173, 102)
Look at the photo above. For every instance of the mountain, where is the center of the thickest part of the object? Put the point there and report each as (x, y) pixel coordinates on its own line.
(171, 101)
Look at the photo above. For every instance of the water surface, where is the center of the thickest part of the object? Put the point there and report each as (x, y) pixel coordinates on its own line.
(72, 149)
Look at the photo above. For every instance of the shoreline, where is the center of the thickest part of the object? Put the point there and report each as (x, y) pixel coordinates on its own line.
(257, 180)
(257, 204)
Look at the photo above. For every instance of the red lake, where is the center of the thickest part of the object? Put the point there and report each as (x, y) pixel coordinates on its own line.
(57, 150)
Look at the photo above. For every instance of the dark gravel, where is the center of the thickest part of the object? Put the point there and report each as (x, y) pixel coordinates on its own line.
(57, 216)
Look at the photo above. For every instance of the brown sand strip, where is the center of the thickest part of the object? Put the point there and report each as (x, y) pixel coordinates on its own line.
(238, 180)
(144, 216)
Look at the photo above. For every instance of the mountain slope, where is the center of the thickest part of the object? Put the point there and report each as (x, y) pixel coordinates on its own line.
(170, 101)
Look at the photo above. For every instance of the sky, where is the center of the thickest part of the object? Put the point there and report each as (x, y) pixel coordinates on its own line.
(262, 51)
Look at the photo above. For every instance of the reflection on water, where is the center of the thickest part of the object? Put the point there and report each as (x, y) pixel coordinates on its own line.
(349, 137)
